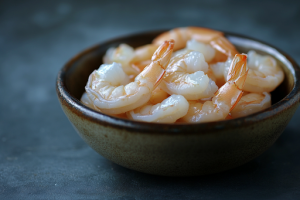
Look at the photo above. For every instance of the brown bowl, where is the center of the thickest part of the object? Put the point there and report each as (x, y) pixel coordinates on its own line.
(177, 149)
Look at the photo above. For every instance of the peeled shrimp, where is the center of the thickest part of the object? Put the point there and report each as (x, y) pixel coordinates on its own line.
(144, 53)
(215, 38)
(123, 54)
(185, 75)
(264, 74)
(133, 60)
(87, 102)
(225, 98)
(109, 88)
(168, 111)
(251, 103)
(219, 72)
(194, 45)
(142, 56)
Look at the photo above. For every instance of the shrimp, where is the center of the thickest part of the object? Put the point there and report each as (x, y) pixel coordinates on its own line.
(218, 71)
(264, 74)
(168, 111)
(111, 92)
(144, 53)
(142, 56)
(133, 60)
(123, 54)
(158, 95)
(225, 98)
(215, 38)
(87, 102)
(207, 51)
(185, 75)
(251, 103)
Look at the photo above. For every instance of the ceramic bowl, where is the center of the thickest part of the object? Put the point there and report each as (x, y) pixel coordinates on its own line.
(177, 149)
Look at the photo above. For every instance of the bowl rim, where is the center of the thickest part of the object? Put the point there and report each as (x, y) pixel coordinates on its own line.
(163, 128)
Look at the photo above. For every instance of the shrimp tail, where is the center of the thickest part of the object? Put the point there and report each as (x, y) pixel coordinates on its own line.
(232, 91)
(224, 46)
(163, 53)
(238, 71)
(155, 71)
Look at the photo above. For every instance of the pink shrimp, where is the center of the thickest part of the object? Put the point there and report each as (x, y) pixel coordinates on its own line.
(215, 38)
(109, 90)
(225, 98)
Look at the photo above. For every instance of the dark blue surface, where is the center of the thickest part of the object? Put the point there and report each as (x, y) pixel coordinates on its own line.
(41, 155)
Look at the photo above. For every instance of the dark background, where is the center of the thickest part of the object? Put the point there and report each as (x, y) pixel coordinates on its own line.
(41, 155)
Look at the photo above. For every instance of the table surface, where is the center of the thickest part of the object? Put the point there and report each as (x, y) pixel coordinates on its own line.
(41, 155)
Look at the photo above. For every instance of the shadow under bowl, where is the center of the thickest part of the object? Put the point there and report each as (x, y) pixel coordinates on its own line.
(177, 149)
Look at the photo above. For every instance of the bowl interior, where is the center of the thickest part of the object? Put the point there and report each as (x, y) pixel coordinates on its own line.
(76, 75)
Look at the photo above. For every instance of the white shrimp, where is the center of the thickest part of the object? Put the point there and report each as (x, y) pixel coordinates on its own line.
(144, 53)
(185, 75)
(218, 71)
(168, 111)
(251, 103)
(123, 54)
(194, 45)
(142, 56)
(108, 91)
(216, 39)
(264, 74)
(87, 102)
(225, 98)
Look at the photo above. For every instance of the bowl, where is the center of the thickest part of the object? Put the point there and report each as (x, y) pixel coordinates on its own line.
(177, 149)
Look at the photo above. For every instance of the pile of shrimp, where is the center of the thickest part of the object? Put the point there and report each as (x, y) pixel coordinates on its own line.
(187, 75)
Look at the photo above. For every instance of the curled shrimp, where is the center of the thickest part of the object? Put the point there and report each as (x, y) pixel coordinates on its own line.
(143, 53)
(87, 102)
(142, 56)
(168, 111)
(194, 45)
(123, 54)
(133, 60)
(219, 71)
(215, 38)
(109, 88)
(251, 103)
(264, 74)
(185, 75)
(225, 98)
